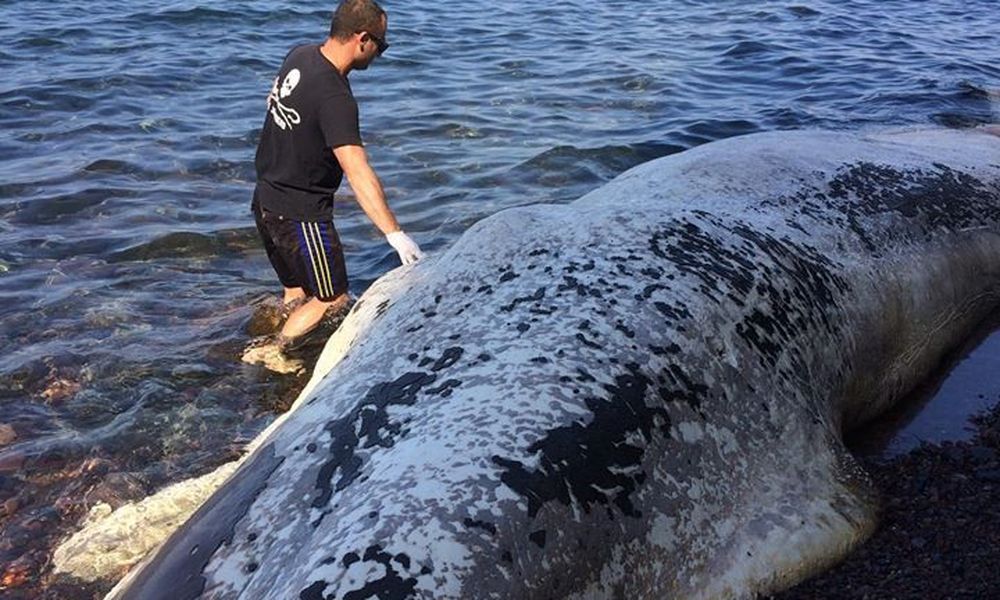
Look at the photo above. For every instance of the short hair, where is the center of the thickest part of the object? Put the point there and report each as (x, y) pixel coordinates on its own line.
(353, 16)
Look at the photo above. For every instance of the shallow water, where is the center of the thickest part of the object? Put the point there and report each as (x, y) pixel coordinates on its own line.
(129, 269)
(939, 410)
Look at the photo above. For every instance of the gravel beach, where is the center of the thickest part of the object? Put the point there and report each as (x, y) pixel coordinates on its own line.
(939, 535)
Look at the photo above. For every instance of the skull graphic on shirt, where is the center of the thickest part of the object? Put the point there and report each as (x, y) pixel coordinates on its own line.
(284, 116)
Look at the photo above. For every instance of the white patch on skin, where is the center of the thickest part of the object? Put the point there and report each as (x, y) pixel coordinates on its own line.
(690, 432)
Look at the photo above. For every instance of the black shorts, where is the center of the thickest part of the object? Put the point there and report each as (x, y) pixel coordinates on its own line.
(304, 254)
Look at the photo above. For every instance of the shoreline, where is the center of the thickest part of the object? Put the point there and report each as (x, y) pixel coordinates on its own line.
(939, 528)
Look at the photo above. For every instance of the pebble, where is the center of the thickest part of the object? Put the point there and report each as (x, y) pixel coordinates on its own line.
(10, 506)
(7, 434)
(11, 462)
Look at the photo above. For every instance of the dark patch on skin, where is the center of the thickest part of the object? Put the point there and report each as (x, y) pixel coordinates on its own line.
(536, 297)
(942, 198)
(486, 289)
(448, 358)
(672, 312)
(795, 286)
(683, 390)
(574, 266)
(484, 357)
(314, 591)
(538, 537)
(310, 447)
(392, 585)
(652, 273)
(484, 525)
(648, 291)
(702, 256)
(445, 390)
(381, 308)
(522, 327)
(175, 572)
(508, 276)
(541, 360)
(572, 283)
(579, 461)
(802, 296)
(583, 340)
(366, 426)
(349, 559)
(414, 328)
(622, 328)
(538, 252)
(664, 351)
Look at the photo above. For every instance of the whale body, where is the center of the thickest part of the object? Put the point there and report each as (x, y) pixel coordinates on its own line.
(641, 394)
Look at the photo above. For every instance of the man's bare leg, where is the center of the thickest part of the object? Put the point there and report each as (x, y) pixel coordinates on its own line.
(305, 318)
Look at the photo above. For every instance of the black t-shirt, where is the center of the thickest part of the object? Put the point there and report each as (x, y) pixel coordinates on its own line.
(310, 111)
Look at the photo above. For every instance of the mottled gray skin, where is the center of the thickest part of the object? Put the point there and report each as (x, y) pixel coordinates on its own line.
(637, 395)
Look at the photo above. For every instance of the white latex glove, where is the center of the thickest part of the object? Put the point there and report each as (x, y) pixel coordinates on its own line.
(409, 251)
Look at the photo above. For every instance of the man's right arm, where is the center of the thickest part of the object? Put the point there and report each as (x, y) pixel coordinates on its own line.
(370, 195)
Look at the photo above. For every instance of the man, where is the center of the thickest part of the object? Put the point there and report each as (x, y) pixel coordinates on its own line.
(310, 140)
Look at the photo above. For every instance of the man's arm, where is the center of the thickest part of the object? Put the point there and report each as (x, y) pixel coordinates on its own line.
(368, 190)
(367, 187)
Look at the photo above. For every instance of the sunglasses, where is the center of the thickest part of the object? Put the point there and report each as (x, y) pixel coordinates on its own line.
(380, 44)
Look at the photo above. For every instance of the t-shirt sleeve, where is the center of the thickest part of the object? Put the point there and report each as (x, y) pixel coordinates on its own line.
(338, 118)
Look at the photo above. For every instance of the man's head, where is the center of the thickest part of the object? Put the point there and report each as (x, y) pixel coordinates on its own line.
(361, 26)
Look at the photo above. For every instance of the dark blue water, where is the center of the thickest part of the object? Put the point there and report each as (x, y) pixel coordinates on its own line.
(129, 269)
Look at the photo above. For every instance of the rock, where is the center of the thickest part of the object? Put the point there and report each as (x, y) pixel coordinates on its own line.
(11, 462)
(266, 318)
(60, 389)
(7, 434)
(9, 507)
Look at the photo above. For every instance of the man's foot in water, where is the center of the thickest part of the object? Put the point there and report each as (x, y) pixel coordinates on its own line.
(281, 353)
(270, 351)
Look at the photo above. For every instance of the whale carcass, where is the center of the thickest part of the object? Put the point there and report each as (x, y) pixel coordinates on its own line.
(641, 394)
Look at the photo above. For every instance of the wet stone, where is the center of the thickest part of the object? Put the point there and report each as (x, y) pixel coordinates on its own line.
(11, 462)
(7, 434)
(117, 489)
